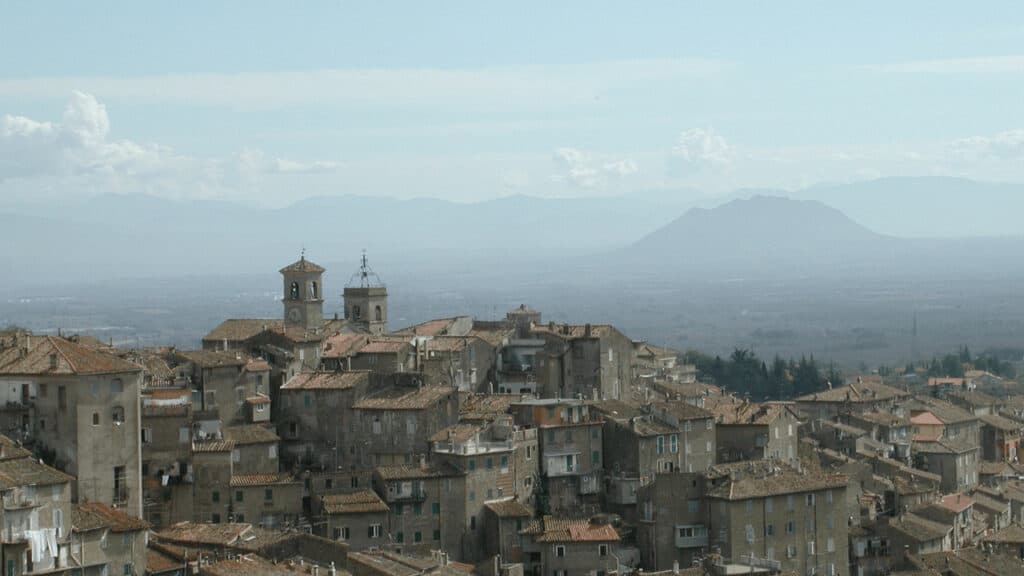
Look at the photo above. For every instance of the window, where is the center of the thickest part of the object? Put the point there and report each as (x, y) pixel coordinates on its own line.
(560, 551)
(595, 457)
(437, 535)
(693, 505)
(293, 291)
(708, 424)
(504, 464)
(43, 389)
(472, 464)
(595, 432)
(417, 508)
(378, 314)
(116, 386)
(313, 290)
(810, 548)
(490, 463)
(472, 522)
(830, 545)
(215, 496)
(183, 435)
(749, 505)
(307, 400)
(268, 495)
(602, 549)
(688, 426)
(117, 415)
(417, 537)
(791, 551)
(490, 493)
(435, 508)
(215, 518)
(790, 429)
(356, 312)
(789, 502)
(529, 452)
(147, 435)
(769, 530)
(828, 496)
(673, 443)
(127, 570)
(790, 527)
(95, 418)
(399, 537)
(768, 504)
(239, 496)
(399, 509)
(661, 445)
(810, 499)
(236, 456)
(373, 531)
(62, 398)
(272, 451)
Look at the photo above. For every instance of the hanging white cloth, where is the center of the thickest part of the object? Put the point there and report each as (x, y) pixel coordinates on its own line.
(37, 542)
(51, 542)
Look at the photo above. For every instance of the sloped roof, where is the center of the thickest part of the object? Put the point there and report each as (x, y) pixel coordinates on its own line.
(270, 479)
(53, 355)
(238, 329)
(856, 393)
(554, 529)
(213, 358)
(326, 380)
(360, 502)
(1001, 422)
(757, 479)
(249, 434)
(343, 344)
(302, 265)
(947, 412)
(1012, 534)
(509, 509)
(405, 398)
(91, 515)
(17, 472)
(919, 529)
(408, 472)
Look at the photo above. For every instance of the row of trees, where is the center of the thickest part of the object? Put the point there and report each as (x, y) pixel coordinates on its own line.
(954, 365)
(744, 373)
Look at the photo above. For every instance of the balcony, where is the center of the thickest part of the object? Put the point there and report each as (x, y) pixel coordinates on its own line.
(691, 536)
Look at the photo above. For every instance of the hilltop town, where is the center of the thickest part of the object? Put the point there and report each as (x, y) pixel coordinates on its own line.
(322, 444)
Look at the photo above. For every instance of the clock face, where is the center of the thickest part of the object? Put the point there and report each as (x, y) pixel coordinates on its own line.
(294, 314)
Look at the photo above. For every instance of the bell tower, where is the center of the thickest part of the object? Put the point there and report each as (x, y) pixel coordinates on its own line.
(303, 294)
(366, 300)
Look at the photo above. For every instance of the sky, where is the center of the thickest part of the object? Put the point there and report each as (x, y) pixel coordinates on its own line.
(270, 103)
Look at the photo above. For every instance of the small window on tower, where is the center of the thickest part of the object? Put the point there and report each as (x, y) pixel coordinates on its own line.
(355, 313)
(378, 314)
(293, 292)
(312, 290)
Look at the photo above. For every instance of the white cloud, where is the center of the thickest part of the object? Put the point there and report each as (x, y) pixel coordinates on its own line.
(582, 169)
(1001, 146)
(1013, 63)
(77, 155)
(700, 146)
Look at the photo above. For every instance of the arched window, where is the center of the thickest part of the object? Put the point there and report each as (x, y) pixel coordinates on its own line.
(293, 292)
(355, 312)
(312, 290)
(117, 415)
(378, 314)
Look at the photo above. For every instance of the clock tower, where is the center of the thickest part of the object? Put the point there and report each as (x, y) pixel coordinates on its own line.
(303, 294)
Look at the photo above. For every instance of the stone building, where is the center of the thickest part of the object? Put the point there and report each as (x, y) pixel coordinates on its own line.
(167, 455)
(753, 431)
(223, 381)
(571, 451)
(425, 505)
(760, 513)
(358, 518)
(641, 441)
(571, 546)
(393, 425)
(1000, 437)
(87, 414)
(503, 522)
(499, 462)
(108, 540)
(592, 361)
(366, 300)
(955, 460)
(316, 419)
(36, 503)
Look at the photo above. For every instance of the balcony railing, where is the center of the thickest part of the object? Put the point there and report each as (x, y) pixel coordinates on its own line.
(691, 536)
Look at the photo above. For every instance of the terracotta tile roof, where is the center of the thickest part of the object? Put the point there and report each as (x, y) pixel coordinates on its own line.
(1012, 534)
(10, 450)
(302, 265)
(385, 345)
(474, 406)
(956, 502)
(551, 529)
(93, 513)
(407, 472)
(250, 434)
(343, 345)
(925, 419)
(327, 380)
(856, 393)
(919, 529)
(945, 381)
(213, 445)
(509, 509)
(574, 330)
(406, 398)
(271, 479)
(686, 411)
(258, 400)
(247, 565)
(492, 335)
(257, 365)
(159, 561)
(238, 329)
(237, 535)
(437, 327)
(361, 502)
(947, 412)
(1001, 422)
(53, 355)
(213, 358)
(945, 446)
(757, 479)
(15, 472)
(729, 410)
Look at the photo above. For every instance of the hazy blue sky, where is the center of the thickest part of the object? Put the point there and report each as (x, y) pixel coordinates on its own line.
(472, 100)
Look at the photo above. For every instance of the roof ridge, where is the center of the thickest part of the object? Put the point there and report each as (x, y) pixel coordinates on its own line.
(62, 354)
